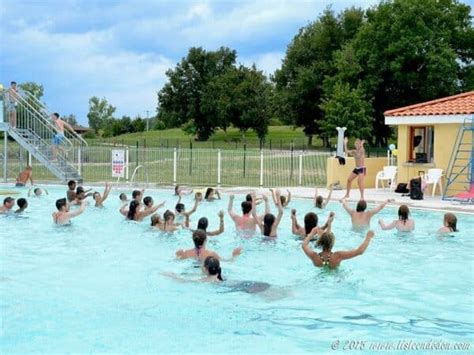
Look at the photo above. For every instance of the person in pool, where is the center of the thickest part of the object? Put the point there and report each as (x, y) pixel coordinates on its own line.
(71, 192)
(203, 223)
(63, 215)
(200, 252)
(99, 200)
(248, 198)
(327, 257)
(319, 201)
(8, 203)
(246, 221)
(137, 197)
(211, 194)
(22, 205)
(82, 194)
(134, 213)
(360, 217)
(310, 222)
(403, 223)
(37, 191)
(148, 202)
(24, 176)
(285, 201)
(123, 198)
(180, 210)
(198, 196)
(270, 223)
(449, 224)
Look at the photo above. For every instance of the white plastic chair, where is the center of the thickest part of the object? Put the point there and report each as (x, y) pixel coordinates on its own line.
(433, 176)
(388, 173)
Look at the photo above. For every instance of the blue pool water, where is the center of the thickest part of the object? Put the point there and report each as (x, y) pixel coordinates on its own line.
(96, 286)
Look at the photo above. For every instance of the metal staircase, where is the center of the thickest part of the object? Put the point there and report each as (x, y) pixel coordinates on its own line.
(35, 132)
(460, 173)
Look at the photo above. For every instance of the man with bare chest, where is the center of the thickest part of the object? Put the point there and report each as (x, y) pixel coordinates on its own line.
(360, 170)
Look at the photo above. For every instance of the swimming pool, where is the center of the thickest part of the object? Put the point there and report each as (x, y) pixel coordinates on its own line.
(96, 286)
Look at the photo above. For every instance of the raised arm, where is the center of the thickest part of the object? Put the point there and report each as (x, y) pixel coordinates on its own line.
(311, 254)
(221, 226)
(315, 195)
(278, 217)
(254, 212)
(345, 147)
(378, 208)
(327, 226)
(289, 197)
(230, 210)
(29, 191)
(273, 196)
(295, 227)
(192, 210)
(346, 207)
(106, 192)
(343, 255)
(386, 227)
(325, 203)
(78, 211)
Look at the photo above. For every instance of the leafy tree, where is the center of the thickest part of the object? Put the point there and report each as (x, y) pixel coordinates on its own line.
(180, 100)
(100, 114)
(308, 60)
(37, 90)
(138, 124)
(346, 107)
(71, 119)
(407, 52)
(122, 126)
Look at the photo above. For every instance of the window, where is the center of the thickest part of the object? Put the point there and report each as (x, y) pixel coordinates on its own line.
(421, 144)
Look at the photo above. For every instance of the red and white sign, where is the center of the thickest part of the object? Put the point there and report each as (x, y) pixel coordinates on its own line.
(118, 163)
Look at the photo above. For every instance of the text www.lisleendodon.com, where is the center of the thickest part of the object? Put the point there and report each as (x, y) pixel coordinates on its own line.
(400, 345)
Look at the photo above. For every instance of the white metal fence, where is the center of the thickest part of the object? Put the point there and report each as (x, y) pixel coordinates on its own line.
(166, 166)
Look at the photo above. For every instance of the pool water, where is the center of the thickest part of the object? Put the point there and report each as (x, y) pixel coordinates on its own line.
(96, 286)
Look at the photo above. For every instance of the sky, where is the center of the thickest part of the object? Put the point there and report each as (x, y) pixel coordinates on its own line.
(121, 50)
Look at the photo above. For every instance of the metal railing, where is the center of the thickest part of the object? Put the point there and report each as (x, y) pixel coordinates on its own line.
(200, 167)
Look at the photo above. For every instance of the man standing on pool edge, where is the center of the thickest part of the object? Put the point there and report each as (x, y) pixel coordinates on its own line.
(360, 170)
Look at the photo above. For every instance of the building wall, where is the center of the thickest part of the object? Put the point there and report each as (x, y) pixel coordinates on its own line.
(336, 172)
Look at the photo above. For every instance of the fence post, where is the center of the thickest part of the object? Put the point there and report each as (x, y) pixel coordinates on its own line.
(300, 170)
(190, 158)
(79, 158)
(245, 156)
(291, 162)
(261, 168)
(127, 161)
(218, 168)
(175, 157)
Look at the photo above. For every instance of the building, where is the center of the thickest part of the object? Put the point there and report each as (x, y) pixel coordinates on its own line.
(428, 132)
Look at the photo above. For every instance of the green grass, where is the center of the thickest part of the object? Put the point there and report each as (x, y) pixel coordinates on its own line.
(278, 137)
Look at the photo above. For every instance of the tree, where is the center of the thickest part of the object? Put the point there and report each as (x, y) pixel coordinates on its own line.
(409, 51)
(122, 126)
(100, 113)
(308, 60)
(138, 124)
(180, 100)
(71, 119)
(33, 88)
(346, 107)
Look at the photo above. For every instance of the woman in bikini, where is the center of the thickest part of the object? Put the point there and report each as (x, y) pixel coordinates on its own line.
(403, 223)
(310, 223)
(328, 258)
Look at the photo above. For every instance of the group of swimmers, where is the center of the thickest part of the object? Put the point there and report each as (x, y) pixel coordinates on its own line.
(141, 207)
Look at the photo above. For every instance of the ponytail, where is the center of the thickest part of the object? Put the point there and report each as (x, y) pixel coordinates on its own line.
(219, 274)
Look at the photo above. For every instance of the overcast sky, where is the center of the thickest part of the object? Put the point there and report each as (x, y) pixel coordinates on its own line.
(121, 49)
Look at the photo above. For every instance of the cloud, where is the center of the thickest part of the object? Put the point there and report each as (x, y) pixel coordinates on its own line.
(267, 62)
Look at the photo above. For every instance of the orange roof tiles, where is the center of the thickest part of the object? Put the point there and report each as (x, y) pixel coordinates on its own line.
(452, 105)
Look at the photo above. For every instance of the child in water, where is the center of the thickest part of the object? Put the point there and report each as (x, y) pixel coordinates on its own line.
(449, 224)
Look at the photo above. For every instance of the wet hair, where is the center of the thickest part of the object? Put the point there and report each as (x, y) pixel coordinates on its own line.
(176, 190)
(79, 190)
(361, 206)
(319, 201)
(123, 197)
(36, 190)
(213, 267)
(403, 213)
(179, 207)
(310, 221)
(22, 203)
(8, 200)
(268, 221)
(147, 200)
(61, 203)
(199, 237)
(155, 219)
(95, 194)
(282, 200)
(136, 193)
(167, 215)
(208, 192)
(246, 207)
(71, 183)
(13, 83)
(203, 223)
(248, 198)
(132, 210)
(56, 115)
(326, 241)
(197, 194)
(451, 221)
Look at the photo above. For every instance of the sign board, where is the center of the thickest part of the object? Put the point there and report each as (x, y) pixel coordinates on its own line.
(118, 163)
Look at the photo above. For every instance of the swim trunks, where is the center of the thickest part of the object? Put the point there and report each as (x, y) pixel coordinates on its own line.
(58, 138)
(361, 170)
(19, 184)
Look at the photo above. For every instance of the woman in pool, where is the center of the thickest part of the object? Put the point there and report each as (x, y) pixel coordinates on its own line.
(134, 213)
(203, 223)
(211, 194)
(99, 200)
(270, 223)
(329, 258)
(449, 224)
(200, 252)
(168, 224)
(123, 198)
(310, 222)
(319, 200)
(180, 210)
(37, 191)
(285, 201)
(403, 224)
